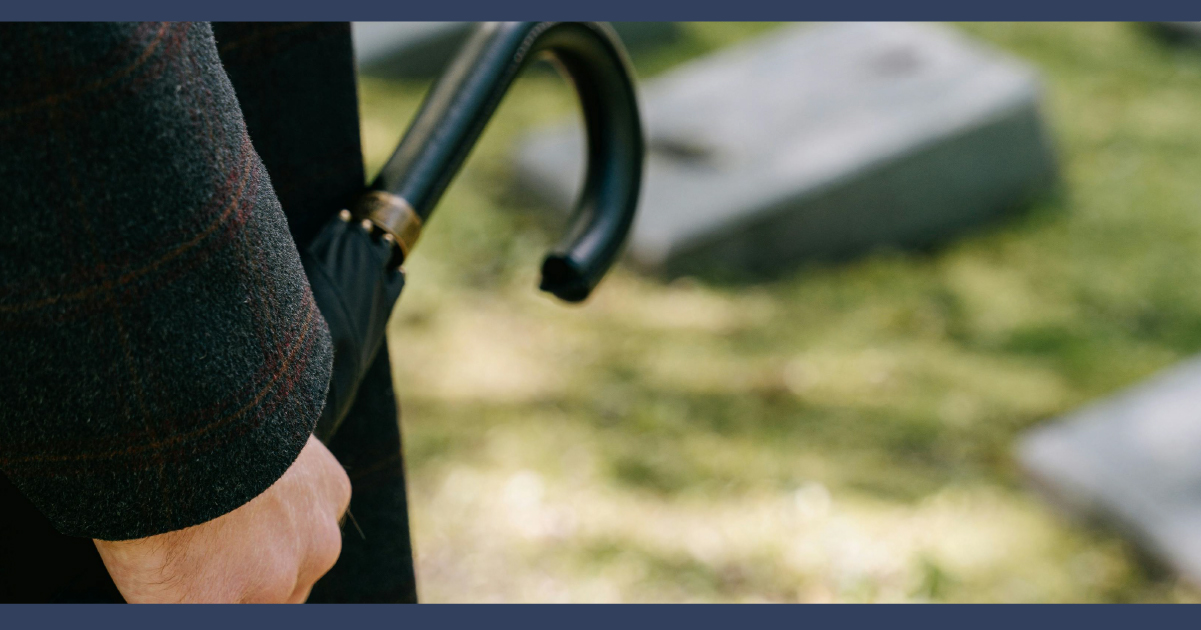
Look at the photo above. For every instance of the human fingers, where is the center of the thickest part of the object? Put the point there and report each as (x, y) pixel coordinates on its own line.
(300, 595)
(330, 488)
(333, 484)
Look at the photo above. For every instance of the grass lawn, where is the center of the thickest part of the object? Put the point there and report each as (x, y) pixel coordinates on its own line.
(843, 433)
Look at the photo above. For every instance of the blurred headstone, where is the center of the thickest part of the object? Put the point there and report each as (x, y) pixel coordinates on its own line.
(422, 49)
(406, 49)
(1190, 31)
(820, 142)
(1133, 460)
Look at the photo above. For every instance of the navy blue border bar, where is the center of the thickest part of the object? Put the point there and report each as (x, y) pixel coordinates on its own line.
(633, 10)
(596, 617)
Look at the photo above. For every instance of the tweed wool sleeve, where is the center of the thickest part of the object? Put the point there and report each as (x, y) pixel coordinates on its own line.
(163, 359)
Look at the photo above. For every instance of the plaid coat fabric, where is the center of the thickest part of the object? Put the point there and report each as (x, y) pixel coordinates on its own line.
(164, 361)
(296, 85)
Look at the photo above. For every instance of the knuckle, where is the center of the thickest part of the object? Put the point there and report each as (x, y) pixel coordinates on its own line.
(336, 486)
(280, 592)
(276, 583)
(331, 545)
(342, 490)
(324, 552)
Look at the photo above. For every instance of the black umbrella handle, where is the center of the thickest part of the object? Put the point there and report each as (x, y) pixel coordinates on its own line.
(459, 105)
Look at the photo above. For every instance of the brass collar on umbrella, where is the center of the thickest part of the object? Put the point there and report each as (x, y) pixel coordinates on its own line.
(391, 215)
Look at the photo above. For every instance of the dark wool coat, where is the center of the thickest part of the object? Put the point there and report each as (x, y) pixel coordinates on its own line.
(163, 358)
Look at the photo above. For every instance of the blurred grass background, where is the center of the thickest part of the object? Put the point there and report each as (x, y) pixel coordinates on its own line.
(843, 433)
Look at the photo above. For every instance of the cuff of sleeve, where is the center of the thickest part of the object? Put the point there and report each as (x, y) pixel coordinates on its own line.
(186, 479)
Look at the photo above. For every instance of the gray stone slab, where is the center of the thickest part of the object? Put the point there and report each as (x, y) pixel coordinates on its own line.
(422, 49)
(406, 49)
(1190, 30)
(1133, 460)
(821, 142)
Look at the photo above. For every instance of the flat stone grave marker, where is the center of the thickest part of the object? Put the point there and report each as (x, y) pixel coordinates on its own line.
(1133, 460)
(406, 49)
(1188, 30)
(820, 142)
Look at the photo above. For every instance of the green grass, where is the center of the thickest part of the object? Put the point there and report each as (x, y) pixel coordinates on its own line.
(842, 433)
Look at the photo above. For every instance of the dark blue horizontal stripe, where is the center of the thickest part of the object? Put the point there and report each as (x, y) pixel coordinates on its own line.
(586, 617)
(652, 10)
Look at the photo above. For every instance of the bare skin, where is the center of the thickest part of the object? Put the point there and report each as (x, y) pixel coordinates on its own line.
(270, 550)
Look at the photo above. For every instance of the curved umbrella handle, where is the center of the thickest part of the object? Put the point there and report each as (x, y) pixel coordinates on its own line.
(454, 114)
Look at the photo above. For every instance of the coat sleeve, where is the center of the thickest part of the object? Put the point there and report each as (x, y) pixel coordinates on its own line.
(163, 361)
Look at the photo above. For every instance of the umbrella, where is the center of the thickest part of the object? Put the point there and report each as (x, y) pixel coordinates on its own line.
(353, 263)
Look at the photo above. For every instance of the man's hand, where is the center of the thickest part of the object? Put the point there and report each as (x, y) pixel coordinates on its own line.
(273, 549)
